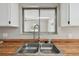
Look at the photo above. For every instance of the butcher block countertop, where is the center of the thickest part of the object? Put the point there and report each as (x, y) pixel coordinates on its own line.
(9, 48)
(69, 47)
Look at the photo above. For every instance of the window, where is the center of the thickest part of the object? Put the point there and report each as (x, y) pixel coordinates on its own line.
(46, 18)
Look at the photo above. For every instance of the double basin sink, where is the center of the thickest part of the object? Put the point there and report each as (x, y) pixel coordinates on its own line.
(33, 48)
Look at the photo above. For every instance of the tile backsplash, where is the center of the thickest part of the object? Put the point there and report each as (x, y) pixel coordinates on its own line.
(63, 32)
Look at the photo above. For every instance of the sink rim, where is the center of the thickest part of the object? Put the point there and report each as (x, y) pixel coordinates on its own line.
(40, 47)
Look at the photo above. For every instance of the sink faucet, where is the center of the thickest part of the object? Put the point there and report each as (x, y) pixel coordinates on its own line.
(36, 27)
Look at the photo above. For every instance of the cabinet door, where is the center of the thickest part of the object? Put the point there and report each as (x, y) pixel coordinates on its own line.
(64, 12)
(74, 14)
(9, 14)
(13, 14)
(3, 14)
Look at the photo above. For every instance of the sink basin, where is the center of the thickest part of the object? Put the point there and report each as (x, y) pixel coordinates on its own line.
(33, 48)
(49, 48)
(29, 48)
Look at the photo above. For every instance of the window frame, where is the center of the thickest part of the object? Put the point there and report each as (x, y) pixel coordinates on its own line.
(39, 19)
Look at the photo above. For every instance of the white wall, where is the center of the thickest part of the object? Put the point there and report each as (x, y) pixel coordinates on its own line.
(63, 32)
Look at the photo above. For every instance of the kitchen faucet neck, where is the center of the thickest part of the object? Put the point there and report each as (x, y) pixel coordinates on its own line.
(36, 27)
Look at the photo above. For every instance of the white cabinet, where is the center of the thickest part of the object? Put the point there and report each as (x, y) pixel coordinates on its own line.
(69, 14)
(74, 14)
(64, 14)
(9, 15)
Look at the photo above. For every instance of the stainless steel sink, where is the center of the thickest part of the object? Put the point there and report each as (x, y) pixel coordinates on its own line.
(29, 48)
(38, 49)
(49, 48)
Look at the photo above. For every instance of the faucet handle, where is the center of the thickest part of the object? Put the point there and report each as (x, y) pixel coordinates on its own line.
(46, 41)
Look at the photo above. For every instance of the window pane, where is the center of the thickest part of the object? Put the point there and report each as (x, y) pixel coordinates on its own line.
(47, 20)
(31, 14)
(30, 19)
(29, 26)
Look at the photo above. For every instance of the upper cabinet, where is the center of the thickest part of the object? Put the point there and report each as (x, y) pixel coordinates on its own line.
(9, 15)
(69, 14)
(74, 14)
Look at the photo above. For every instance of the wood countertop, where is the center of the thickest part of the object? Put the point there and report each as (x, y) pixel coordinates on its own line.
(69, 47)
(9, 48)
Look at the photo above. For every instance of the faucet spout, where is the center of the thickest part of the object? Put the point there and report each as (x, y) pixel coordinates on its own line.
(36, 27)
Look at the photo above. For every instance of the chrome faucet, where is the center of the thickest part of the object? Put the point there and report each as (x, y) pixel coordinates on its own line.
(36, 27)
